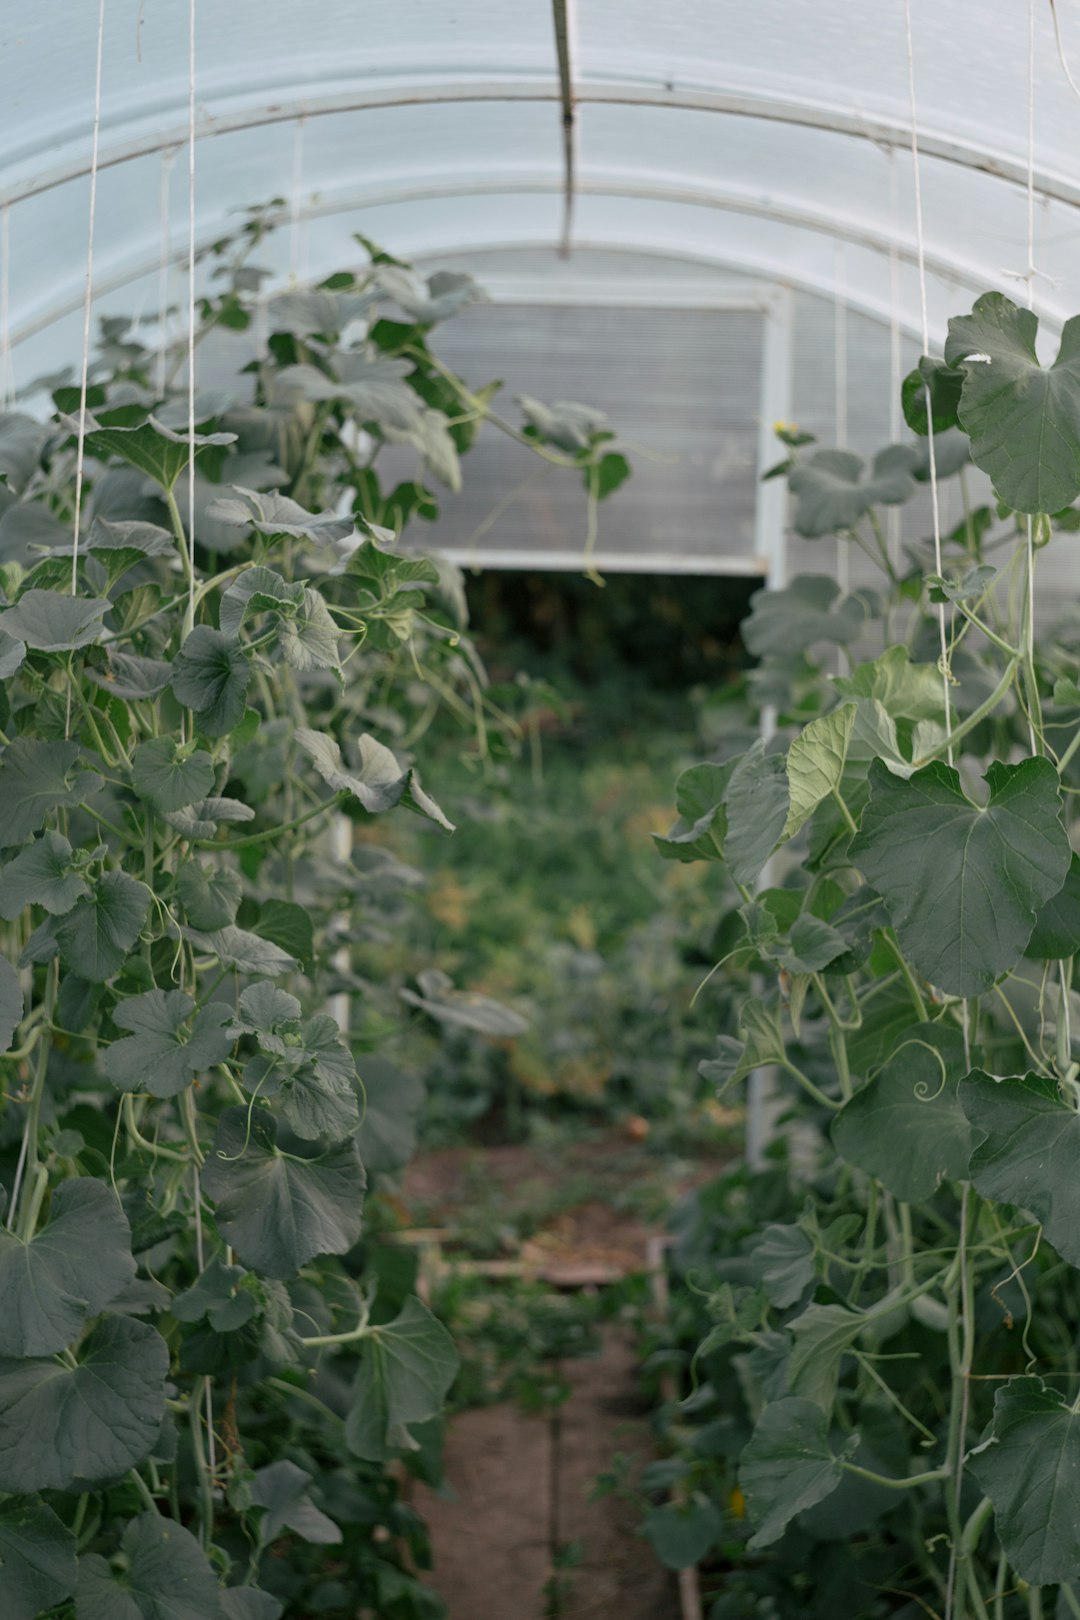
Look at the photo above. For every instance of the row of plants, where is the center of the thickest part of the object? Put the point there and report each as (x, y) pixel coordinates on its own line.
(211, 1368)
(877, 1332)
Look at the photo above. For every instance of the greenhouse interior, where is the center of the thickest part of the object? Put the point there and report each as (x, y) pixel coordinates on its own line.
(539, 730)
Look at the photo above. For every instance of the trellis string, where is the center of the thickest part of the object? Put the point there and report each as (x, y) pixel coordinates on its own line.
(88, 299)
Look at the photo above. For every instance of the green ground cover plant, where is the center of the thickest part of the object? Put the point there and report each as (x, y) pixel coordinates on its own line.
(208, 1363)
(878, 1332)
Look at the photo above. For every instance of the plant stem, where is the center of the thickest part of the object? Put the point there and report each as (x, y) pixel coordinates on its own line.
(975, 718)
(271, 832)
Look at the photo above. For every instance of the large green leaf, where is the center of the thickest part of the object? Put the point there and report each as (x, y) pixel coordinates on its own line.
(378, 782)
(464, 1009)
(210, 895)
(144, 442)
(699, 833)
(1028, 1152)
(905, 690)
(66, 1273)
(816, 762)
(783, 1257)
(1023, 420)
(37, 1559)
(1057, 926)
(66, 1428)
(11, 1003)
(963, 883)
(313, 1083)
(170, 775)
(823, 1335)
(165, 1576)
(406, 1368)
(168, 1046)
(210, 674)
(788, 1466)
(1029, 1467)
(243, 950)
(279, 1209)
(283, 1490)
(681, 1533)
(35, 780)
(808, 611)
(49, 622)
(906, 1126)
(42, 875)
(272, 514)
(97, 934)
(756, 802)
(833, 489)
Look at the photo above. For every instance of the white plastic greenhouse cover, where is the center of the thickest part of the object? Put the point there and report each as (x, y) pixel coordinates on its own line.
(766, 144)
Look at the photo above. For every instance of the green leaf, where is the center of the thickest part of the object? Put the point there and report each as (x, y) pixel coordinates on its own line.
(406, 1368)
(905, 690)
(378, 782)
(464, 1009)
(254, 591)
(1057, 925)
(249, 1603)
(823, 1334)
(833, 489)
(309, 639)
(286, 924)
(681, 1533)
(143, 441)
(244, 951)
(11, 1003)
(944, 384)
(816, 762)
(283, 1490)
(210, 674)
(906, 1127)
(963, 883)
(34, 781)
(131, 677)
(699, 833)
(41, 875)
(1029, 1467)
(277, 1209)
(808, 611)
(37, 1559)
(788, 1466)
(1028, 1152)
(274, 515)
(162, 1054)
(49, 622)
(68, 1428)
(66, 1273)
(391, 1101)
(97, 934)
(201, 820)
(564, 423)
(165, 1576)
(169, 775)
(375, 386)
(12, 656)
(812, 945)
(210, 896)
(756, 802)
(1024, 421)
(783, 1257)
(314, 1083)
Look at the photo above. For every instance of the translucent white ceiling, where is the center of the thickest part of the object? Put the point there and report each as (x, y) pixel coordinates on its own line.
(752, 136)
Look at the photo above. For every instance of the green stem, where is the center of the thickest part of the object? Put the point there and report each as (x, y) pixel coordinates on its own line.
(271, 832)
(931, 1477)
(849, 819)
(360, 1331)
(202, 1468)
(185, 557)
(975, 718)
(909, 977)
(37, 1093)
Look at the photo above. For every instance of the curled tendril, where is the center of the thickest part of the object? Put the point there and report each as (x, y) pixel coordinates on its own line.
(232, 1158)
(921, 1089)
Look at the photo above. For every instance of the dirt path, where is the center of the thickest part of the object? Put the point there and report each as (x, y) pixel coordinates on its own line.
(522, 1482)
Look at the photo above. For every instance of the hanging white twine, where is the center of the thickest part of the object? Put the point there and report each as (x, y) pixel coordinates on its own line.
(7, 374)
(88, 300)
(191, 329)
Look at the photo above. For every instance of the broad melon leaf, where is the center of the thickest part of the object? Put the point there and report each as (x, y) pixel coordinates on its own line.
(49, 622)
(170, 776)
(815, 764)
(788, 1466)
(391, 1100)
(699, 833)
(98, 932)
(283, 1490)
(823, 1335)
(808, 611)
(1023, 420)
(35, 781)
(246, 952)
(756, 802)
(210, 674)
(406, 1368)
(143, 441)
(166, 1577)
(41, 875)
(163, 1053)
(37, 1559)
(1028, 1152)
(963, 883)
(783, 1257)
(210, 895)
(1057, 925)
(1029, 1467)
(681, 1533)
(906, 1126)
(66, 1273)
(272, 514)
(278, 1211)
(833, 489)
(378, 782)
(68, 1428)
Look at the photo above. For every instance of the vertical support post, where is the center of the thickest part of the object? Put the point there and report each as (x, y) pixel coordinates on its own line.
(770, 543)
(341, 842)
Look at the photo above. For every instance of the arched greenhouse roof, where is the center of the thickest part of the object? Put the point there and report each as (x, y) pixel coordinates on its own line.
(729, 150)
